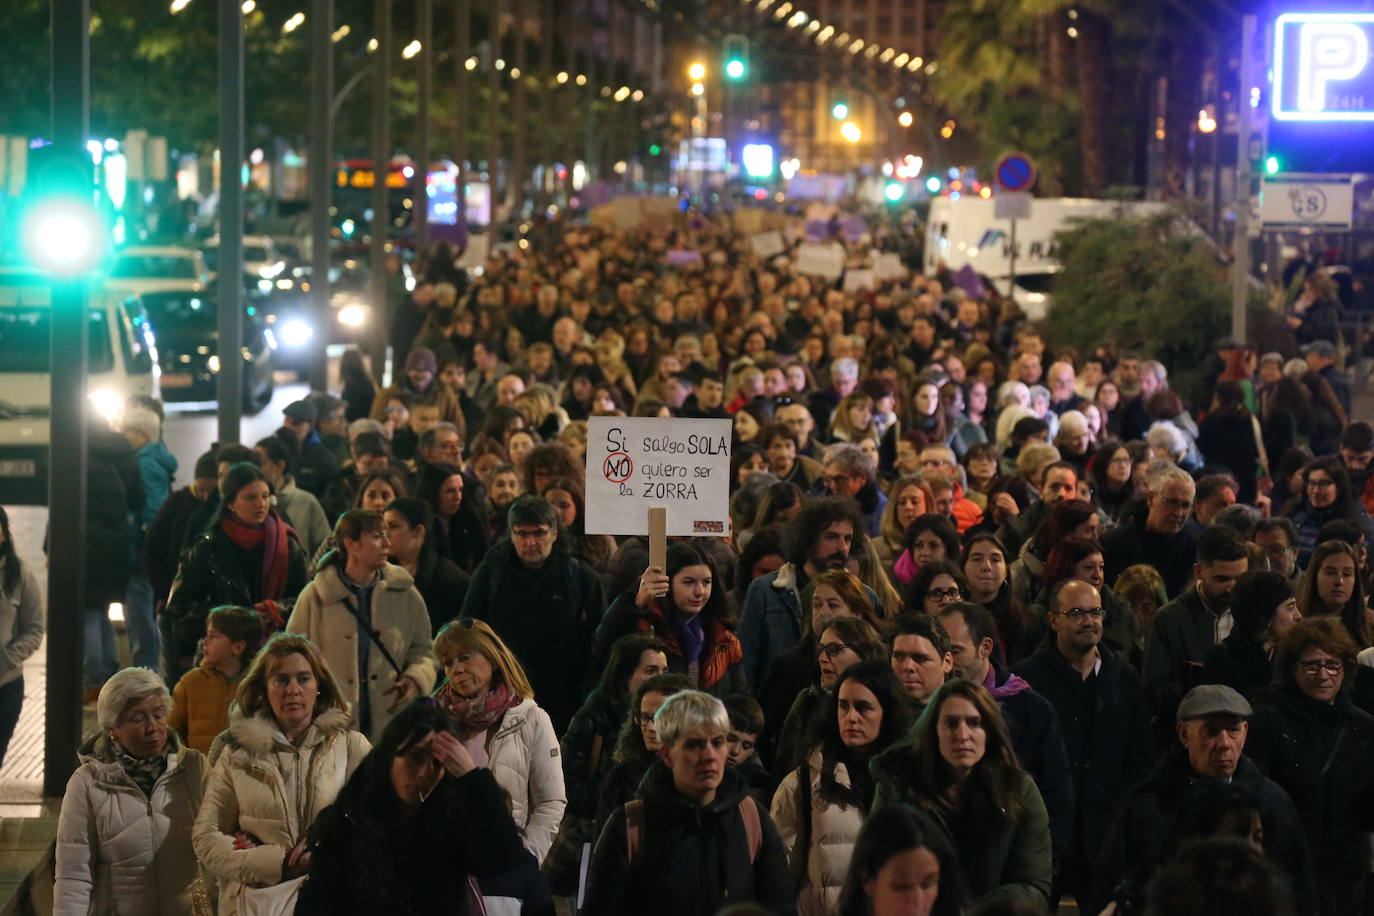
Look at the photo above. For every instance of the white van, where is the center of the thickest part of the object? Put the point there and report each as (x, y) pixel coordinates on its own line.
(966, 231)
(122, 362)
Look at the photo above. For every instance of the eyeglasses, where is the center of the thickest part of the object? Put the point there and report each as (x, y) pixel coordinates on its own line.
(1078, 613)
(643, 718)
(1183, 504)
(945, 594)
(1320, 483)
(833, 480)
(832, 649)
(1314, 668)
(530, 534)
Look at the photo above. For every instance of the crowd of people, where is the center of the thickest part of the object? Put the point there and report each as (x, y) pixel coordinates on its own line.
(998, 624)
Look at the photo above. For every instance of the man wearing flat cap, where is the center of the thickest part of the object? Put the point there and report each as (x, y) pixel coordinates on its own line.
(317, 466)
(1213, 721)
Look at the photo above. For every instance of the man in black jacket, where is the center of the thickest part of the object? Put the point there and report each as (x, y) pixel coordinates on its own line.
(1102, 714)
(1161, 539)
(1212, 728)
(1032, 723)
(544, 602)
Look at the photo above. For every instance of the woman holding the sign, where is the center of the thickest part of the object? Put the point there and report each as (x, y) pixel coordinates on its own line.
(686, 607)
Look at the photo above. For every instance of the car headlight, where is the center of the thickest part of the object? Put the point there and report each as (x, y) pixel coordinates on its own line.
(109, 404)
(295, 333)
(353, 316)
(213, 362)
(285, 283)
(264, 286)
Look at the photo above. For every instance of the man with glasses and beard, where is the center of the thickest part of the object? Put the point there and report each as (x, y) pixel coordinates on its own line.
(822, 537)
(543, 602)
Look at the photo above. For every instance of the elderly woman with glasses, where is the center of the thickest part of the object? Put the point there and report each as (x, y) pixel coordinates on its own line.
(1311, 739)
(124, 835)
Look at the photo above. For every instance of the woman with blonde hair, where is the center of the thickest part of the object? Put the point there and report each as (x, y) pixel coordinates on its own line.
(492, 703)
(853, 419)
(908, 499)
(538, 405)
(285, 756)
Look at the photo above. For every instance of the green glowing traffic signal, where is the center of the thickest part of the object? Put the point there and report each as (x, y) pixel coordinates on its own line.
(62, 230)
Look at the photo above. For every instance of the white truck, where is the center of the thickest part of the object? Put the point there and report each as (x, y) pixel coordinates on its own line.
(966, 231)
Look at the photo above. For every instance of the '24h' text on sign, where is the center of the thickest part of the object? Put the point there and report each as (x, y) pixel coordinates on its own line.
(639, 463)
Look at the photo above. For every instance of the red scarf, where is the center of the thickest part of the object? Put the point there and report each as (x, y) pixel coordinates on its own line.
(274, 536)
(479, 713)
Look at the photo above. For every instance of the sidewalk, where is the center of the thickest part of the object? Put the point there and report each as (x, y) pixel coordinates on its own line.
(28, 822)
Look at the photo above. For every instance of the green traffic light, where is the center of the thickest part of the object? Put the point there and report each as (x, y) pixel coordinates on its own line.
(1272, 165)
(840, 111)
(734, 69)
(64, 236)
(655, 149)
(894, 191)
(933, 185)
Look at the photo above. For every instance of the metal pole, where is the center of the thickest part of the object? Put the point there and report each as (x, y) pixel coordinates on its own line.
(518, 179)
(462, 31)
(548, 154)
(1011, 283)
(321, 171)
(1240, 267)
(381, 194)
(424, 14)
(71, 59)
(494, 109)
(229, 384)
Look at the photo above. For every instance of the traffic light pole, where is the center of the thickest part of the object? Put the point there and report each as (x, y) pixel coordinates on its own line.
(381, 194)
(321, 168)
(229, 385)
(1240, 267)
(71, 60)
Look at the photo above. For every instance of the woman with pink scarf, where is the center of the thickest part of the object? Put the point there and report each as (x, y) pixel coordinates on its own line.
(492, 704)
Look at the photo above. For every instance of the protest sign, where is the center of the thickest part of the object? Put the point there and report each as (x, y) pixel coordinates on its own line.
(856, 280)
(767, 244)
(888, 267)
(639, 463)
(820, 260)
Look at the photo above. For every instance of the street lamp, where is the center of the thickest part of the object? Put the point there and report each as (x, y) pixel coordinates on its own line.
(850, 131)
(905, 119)
(698, 89)
(697, 71)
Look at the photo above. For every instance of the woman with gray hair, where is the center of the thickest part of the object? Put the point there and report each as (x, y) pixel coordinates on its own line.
(124, 835)
(694, 840)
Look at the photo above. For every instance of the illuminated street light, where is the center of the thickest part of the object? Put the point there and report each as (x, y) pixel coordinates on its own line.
(697, 71)
(249, 6)
(410, 50)
(1205, 122)
(562, 77)
(342, 32)
(905, 119)
(850, 131)
(179, 5)
(698, 89)
(295, 22)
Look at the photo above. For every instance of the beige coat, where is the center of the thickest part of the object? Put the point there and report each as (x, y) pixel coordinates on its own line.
(122, 852)
(400, 621)
(264, 785)
(522, 752)
(834, 829)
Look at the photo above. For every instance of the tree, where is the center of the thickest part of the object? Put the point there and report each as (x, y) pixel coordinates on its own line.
(1146, 283)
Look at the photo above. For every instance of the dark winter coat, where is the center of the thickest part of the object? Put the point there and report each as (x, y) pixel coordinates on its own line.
(546, 616)
(1106, 729)
(1309, 520)
(1181, 634)
(214, 571)
(584, 764)
(998, 860)
(1322, 755)
(809, 705)
(443, 585)
(788, 675)
(1130, 543)
(631, 558)
(1240, 663)
(164, 541)
(693, 860)
(419, 865)
(114, 488)
(719, 670)
(463, 538)
(1141, 831)
(1227, 440)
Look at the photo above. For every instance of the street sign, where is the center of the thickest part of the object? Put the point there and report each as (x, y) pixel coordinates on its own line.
(1307, 202)
(1011, 205)
(1322, 67)
(639, 463)
(1015, 172)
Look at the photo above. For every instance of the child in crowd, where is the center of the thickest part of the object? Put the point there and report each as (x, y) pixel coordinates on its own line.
(746, 724)
(200, 702)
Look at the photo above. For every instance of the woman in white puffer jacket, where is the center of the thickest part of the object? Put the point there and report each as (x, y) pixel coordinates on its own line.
(492, 704)
(820, 806)
(124, 834)
(287, 752)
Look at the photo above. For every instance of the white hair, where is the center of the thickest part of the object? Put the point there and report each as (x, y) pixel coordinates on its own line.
(1160, 473)
(851, 458)
(142, 420)
(1013, 392)
(1295, 368)
(1167, 436)
(1073, 423)
(1007, 420)
(689, 711)
(123, 689)
(848, 367)
(364, 425)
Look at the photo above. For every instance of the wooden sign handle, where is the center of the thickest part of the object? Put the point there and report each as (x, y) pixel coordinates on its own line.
(658, 537)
